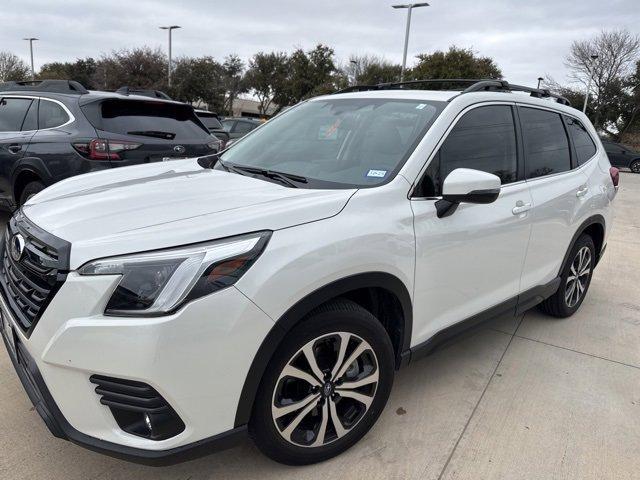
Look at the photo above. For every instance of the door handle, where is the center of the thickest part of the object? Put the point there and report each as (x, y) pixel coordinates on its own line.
(582, 191)
(15, 148)
(521, 207)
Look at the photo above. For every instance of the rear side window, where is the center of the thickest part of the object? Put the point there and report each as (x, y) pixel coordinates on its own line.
(51, 115)
(546, 144)
(31, 120)
(210, 121)
(243, 127)
(168, 121)
(582, 141)
(12, 113)
(484, 139)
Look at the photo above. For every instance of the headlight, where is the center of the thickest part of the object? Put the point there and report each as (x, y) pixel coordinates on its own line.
(155, 283)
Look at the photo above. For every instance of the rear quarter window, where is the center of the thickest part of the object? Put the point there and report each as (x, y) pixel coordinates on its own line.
(582, 141)
(51, 115)
(162, 120)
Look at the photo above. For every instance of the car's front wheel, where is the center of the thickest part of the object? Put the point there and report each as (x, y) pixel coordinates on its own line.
(635, 166)
(325, 387)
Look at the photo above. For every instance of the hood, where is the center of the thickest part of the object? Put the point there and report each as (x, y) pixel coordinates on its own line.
(161, 205)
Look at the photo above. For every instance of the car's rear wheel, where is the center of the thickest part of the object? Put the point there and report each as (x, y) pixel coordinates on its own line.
(635, 166)
(575, 280)
(325, 387)
(29, 190)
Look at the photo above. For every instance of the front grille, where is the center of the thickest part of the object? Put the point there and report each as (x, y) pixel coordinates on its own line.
(30, 281)
(138, 408)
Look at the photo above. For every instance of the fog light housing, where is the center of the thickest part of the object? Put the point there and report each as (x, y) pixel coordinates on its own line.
(138, 408)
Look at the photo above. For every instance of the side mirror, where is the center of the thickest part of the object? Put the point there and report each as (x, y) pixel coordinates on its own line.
(468, 186)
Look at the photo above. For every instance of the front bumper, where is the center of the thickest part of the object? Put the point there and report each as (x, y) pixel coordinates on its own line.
(50, 413)
(197, 358)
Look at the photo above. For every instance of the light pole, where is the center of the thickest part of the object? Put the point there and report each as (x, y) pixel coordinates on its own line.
(170, 29)
(31, 40)
(409, 7)
(586, 96)
(539, 80)
(355, 71)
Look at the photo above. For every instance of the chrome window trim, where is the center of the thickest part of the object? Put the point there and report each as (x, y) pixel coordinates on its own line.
(69, 114)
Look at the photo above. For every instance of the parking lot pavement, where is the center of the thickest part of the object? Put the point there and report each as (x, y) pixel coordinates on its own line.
(531, 397)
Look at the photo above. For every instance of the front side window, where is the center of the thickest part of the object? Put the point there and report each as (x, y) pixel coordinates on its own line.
(338, 143)
(51, 115)
(546, 144)
(12, 113)
(582, 142)
(483, 139)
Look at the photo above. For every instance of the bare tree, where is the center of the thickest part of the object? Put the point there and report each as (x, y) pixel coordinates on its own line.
(616, 52)
(12, 68)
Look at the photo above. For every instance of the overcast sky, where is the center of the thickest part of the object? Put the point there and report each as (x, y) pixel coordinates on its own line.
(526, 38)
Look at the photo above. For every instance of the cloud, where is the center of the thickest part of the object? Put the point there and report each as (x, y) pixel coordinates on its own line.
(526, 38)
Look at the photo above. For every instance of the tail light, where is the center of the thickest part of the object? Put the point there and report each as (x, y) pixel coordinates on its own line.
(217, 145)
(103, 149)
(615, 176)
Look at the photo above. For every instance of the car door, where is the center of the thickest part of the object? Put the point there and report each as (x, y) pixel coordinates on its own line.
(558, 192)
(18, 123)
(470, 261)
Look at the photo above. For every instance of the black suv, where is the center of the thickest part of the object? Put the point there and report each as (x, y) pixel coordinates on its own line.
(622, 156)
(54, 129)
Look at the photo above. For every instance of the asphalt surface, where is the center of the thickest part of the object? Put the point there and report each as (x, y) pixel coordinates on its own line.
(525, 398)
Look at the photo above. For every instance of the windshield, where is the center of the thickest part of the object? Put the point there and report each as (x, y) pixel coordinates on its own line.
(338, 143)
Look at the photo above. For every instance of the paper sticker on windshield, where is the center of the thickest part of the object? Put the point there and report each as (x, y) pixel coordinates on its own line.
(376, 173)
(421, 106)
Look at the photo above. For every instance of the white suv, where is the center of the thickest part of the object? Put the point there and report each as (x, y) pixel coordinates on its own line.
(168, 309)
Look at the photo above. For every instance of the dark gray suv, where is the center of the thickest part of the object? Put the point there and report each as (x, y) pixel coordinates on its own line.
(54, 129)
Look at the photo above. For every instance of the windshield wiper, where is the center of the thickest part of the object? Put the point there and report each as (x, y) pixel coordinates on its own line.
(286, 178)
(154, 134)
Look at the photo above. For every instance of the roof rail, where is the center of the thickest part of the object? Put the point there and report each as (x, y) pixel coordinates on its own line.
(51, 86)
(474, 85)
(145, 92)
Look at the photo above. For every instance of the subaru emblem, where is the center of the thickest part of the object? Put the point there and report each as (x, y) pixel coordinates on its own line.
(16, 247)
(179, 149)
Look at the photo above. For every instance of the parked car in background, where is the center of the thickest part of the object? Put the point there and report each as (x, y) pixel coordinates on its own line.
(240, 126)
(212, 122)
(160, 312)
(622, 156)
(54, 129)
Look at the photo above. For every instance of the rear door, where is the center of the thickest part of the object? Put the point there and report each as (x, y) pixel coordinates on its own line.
(18, 123)
(557, 190)
(150, 131)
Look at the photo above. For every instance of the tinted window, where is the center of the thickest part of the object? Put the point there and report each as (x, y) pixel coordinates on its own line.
(484, 139)
(338, 143)
(243, 127)
(12, 113)
(31, 120)
(582, 142)
(51, 115)
(210, 121)
(546, 144)
(149, 119)
(611, 147)
(227, 125)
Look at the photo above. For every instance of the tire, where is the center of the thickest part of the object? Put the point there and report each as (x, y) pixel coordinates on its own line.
(29, 191)
(635, 166)
(571, 292)
(323, 332)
